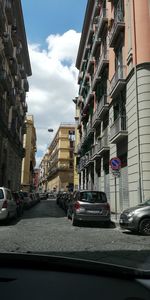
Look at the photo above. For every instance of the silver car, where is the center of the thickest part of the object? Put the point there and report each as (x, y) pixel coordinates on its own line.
(89, 206)
(8, 207)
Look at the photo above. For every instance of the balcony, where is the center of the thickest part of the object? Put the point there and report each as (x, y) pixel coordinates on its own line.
(19, 53)
(95, 119)
(102, 106)
(117, 28)
(22, 71)
(90, 129)
(118, 81)
(9, 11)
(5, 81)
(2, 19)
(103, 19)
(12, 96)
(103, 62)
(8, 45)
(13, 66)
(26, 85)
(118, 130)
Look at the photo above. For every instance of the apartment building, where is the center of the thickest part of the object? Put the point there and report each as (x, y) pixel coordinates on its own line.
(43, 172)
(14, 70)
(29, 162)
(77, 137)
(58, 170)
(114, 100)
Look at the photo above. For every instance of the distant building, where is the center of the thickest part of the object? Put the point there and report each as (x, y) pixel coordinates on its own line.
(43, 173)
(36, 179)
(14, 69)
(28, 163)
(114, 100)
(57, 167)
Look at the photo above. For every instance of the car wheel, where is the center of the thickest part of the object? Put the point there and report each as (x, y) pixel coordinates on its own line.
(74, 221)
(144, 227)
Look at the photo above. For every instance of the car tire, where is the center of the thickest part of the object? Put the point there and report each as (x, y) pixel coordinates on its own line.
(144, 227)
(74, 221)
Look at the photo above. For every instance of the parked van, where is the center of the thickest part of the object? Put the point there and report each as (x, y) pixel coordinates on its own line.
(8, 207)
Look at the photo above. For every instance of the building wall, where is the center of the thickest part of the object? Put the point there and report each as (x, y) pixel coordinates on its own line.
(130, 53)
(28, 163)
(14, 68)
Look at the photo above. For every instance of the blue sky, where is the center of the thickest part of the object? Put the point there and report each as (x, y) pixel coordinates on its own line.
(53, 30)
(43, 17)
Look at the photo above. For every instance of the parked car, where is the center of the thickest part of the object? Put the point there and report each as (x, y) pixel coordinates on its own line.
(43, 196)
(90, 206)
(26, 199)
(19, 202)
(137, 218)
(8, 206)
(58, 197)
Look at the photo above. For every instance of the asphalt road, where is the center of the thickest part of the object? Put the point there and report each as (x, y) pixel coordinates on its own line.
(45, 229)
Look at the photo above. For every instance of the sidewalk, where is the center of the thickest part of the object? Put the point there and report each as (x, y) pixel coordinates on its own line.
(115, 218)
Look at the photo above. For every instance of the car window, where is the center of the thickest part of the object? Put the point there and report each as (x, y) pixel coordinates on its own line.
(1, 194)
(93, 197)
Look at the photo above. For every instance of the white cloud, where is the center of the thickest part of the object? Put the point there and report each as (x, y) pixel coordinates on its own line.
(53, 85)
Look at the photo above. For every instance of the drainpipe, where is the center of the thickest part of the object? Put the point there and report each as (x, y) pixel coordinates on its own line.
(137, 108)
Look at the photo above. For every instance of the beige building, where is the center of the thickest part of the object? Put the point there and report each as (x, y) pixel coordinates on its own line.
(114, 99)
(28, 163)
(59, 168)
(14, 69)
(43, 173)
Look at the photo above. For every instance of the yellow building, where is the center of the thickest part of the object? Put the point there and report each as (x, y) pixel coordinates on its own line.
(60, 175)
(28, 162)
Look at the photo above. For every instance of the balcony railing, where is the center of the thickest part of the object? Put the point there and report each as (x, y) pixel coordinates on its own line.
(117, 27)
(118, 130)
(13, 66)
(118, 81)
(102, 106)
(8, 45)
(103, 19)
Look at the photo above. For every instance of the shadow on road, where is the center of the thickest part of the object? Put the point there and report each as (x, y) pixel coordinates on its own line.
(96, 224)
(129, 258)
(45, 209)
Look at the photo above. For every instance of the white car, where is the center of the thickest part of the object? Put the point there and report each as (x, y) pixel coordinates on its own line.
(8, 207)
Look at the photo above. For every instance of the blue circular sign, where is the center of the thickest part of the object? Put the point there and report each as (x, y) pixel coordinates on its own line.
(115, 163)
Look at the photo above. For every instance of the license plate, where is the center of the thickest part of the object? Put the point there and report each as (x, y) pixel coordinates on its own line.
(96, 212)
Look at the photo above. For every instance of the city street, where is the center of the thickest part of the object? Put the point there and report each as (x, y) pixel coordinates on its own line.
(45, 229)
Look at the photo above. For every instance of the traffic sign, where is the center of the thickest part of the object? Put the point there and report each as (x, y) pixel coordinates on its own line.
(115, 163)
(116, 173)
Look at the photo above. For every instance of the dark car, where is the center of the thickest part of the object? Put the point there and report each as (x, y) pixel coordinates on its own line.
(89, 206)
(19, 202)
(137, 218)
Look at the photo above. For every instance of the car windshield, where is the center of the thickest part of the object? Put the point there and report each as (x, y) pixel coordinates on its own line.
(93, 197)
(75, 129)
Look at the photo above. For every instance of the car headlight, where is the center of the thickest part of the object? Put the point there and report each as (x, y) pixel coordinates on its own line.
(131, 214)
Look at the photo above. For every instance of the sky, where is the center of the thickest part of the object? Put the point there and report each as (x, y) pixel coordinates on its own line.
(53, 30)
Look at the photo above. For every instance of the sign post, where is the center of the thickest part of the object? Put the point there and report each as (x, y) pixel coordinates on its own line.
(115, 164)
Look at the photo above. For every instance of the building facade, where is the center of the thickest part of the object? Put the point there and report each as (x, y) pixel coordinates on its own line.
(14, 69)
(114, 100)
(43, 173)
(59, 168)
(29, 162)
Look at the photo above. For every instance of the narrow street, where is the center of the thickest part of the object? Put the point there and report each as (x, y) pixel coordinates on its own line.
(45, 229)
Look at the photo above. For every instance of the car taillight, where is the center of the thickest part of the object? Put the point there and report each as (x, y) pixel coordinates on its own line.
(77, 205)
(107, 206)
(5, 204)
